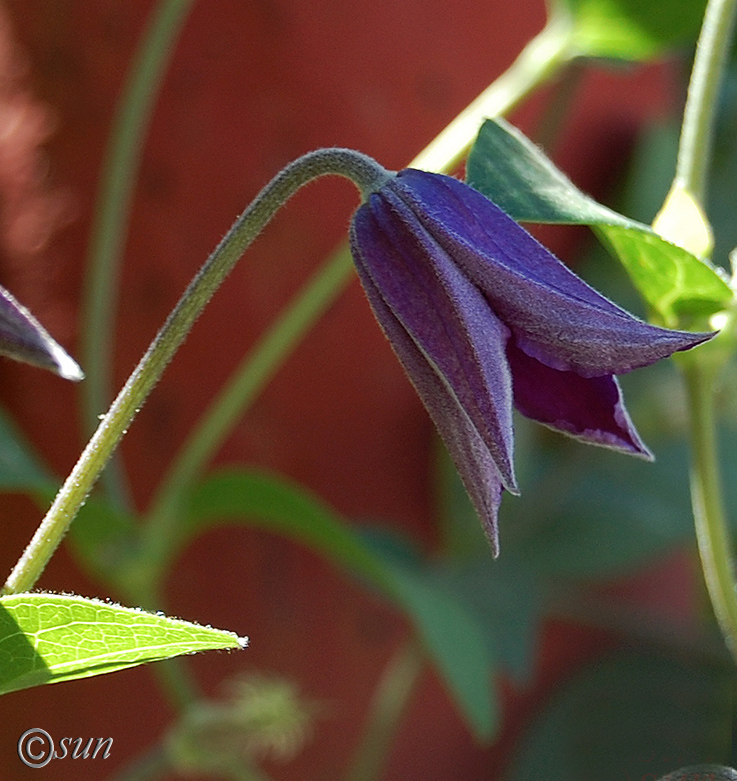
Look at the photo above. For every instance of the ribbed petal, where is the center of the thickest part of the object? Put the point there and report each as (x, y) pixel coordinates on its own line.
(445, 316)
(23, 338)
(588, 408)
(472, 458)
(555, 316)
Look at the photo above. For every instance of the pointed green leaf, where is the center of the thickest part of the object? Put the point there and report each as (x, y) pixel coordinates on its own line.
(48, 638)
(451, 635)
(510, 170)
(518, 176)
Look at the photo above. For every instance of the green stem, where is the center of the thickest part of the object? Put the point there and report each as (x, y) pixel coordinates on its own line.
(706, 496)
(540, 60)
(388, 705)
(694, 152)
(110, 221)
(363, 171)
(152, 765)
(701, 369)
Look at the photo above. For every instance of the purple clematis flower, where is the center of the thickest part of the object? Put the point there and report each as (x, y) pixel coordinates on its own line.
(483, 317)
(23, 338)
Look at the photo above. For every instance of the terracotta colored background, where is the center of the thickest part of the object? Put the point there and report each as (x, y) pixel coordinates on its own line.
(253, 84)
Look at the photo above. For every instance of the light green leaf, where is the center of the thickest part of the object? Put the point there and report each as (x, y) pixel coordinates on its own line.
(48, 638)
(451, 635)
(633, 29)
(517, 176)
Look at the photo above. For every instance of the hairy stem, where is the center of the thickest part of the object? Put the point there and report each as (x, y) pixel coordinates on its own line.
(387, 707)
(363, 171)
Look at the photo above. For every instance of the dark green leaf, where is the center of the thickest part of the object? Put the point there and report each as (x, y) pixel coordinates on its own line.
(20, 468)
(632, 715)
(505, 595)
(598, 514)
(105, 540)
(520, 179)
(506, 598)
(451, 635)
(269, 502)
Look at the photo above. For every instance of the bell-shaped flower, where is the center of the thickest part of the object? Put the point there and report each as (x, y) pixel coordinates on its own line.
(23, 338)
(484, 318)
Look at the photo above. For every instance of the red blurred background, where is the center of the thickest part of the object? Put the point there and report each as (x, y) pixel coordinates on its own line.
(252, 85)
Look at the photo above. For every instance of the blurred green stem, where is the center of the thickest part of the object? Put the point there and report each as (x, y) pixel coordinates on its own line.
(701, 369)
(113, 205)
(706, 496)
(694, 151)
(387, 708)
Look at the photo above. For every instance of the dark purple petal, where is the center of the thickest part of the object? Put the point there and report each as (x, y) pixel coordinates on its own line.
(23, 338)
(472, 458)
(444, 315)
(554, 315)
(588, 408)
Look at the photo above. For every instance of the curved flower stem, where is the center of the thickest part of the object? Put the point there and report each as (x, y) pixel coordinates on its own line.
(363, 171)
(706, 496)
(539, 61)
(387, 707)
(694, 151)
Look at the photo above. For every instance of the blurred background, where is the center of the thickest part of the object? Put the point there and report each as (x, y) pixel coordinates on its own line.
(252, 85)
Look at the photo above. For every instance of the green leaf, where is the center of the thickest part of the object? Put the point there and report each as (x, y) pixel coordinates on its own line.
(20, 468)
(268, 502)
(629, 716)
(517, 175)
(599, 515)
(510, 170)
(48, 638)
(505, 596)
(633, 29)
(451, 635)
